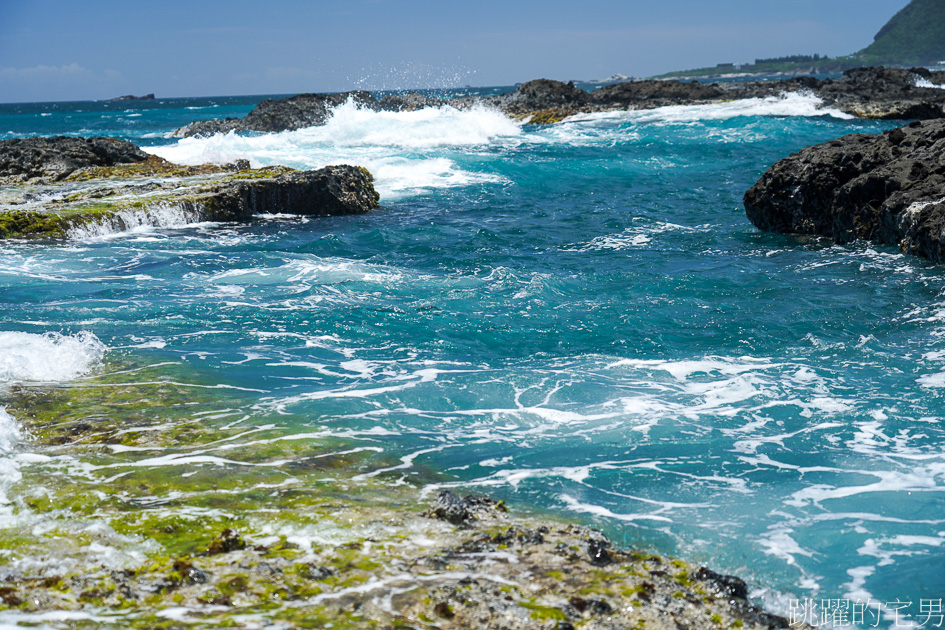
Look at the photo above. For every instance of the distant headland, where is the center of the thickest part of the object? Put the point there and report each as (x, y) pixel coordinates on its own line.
(915, 36)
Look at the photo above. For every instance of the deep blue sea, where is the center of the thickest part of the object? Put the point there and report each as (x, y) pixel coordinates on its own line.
(576, 318)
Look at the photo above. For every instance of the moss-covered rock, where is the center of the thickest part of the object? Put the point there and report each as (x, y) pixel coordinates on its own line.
(103, 196)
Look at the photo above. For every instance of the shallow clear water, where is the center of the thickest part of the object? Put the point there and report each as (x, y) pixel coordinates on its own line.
(576, 318)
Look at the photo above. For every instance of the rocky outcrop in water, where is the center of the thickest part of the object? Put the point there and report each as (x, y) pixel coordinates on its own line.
(886, 93)
(59, 186)
(53, 159)
(296, 112)
(329, 191)
(887, 188)
(132, 97)
(863, 92)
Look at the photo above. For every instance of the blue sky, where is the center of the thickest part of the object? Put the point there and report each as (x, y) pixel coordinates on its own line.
(69, 50)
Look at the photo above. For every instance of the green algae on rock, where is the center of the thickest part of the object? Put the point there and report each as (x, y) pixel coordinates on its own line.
(158, 503)
(394, 568)
(96, 194)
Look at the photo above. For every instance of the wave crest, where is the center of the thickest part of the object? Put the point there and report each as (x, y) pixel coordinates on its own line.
(47, 357)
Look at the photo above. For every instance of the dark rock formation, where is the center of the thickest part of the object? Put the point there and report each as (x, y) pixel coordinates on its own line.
(409, 102)
(541, 94)
(25, 159)
(863, 92)
(887, 93)
(296, 112)
(887, 188)
(652, 93)
(131, 97)
(410, 573)
(449, 507)
(329, 191)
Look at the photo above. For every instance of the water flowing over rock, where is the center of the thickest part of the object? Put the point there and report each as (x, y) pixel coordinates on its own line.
(887, 188)
(86, 186)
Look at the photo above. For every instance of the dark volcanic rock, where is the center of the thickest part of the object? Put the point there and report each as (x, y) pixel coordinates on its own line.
(409, 102)
(887, 188)
(541, 94)
(886, 93)
(52, 159)
(296, 112)
(131, 97)
(449, 507)
(863, 92)
(329, 191)
(651, 93)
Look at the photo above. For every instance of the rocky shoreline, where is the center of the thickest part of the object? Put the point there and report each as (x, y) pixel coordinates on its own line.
(883, 93)
(205, 546)
(463, 563)
(888, 189)
(53, 187)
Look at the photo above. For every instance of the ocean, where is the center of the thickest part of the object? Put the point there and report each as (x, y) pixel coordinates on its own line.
(575, 318)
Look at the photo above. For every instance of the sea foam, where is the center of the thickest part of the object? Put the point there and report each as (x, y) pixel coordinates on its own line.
(47, 357)
(395, 146)
(787, 104)
(922, 82)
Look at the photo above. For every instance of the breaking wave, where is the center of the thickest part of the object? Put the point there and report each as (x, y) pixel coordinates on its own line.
(47, 357)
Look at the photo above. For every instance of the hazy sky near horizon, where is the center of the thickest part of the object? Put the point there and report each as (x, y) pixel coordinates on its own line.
(54, 50)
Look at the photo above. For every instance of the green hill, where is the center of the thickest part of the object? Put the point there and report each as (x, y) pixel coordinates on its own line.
(914, 36)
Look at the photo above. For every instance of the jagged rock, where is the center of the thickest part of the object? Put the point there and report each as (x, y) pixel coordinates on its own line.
(541, 94)
(449, 507)
(885, 93)
(651, 93)
(53, 159)
(296, 112)
(409, 102)
(333, 190)
(726, 585)
(864, 92)
(887, 188)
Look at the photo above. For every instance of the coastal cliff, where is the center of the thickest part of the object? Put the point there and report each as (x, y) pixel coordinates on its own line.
(887, 188)
(52, 187)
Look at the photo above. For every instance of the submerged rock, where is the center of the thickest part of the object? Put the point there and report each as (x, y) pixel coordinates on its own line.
(226, 541)
(887, 188)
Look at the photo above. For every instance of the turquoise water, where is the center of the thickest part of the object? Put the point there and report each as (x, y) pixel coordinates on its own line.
(576, 318)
